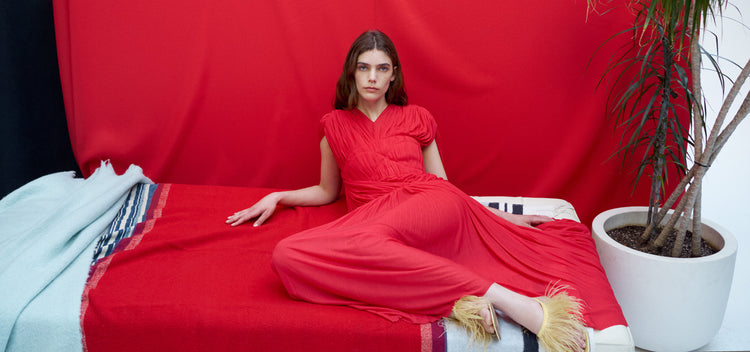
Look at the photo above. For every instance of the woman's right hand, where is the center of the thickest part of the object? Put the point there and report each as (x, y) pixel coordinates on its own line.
(325, 192)
(262, 210)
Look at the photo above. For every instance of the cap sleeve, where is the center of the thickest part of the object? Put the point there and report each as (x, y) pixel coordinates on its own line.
(322, 125)
(425, 127)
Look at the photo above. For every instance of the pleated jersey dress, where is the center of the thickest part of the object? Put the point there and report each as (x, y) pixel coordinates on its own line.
(412, 243)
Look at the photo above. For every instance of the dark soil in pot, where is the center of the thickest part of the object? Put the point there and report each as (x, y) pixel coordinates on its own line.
(630, 236)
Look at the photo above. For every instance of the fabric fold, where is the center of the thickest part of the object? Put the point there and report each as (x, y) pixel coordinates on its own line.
(44, 227)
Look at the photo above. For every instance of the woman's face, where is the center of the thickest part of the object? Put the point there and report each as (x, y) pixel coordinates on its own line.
(373, 75)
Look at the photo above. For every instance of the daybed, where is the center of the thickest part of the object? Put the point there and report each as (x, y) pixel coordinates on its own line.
(158, 269)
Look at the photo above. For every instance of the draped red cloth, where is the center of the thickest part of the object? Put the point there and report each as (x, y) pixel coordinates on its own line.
(186, 281)
(230, 92)
(413, 243)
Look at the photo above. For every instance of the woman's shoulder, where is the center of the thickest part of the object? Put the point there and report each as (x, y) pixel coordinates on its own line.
(334, 118)
(415, 109)
(418, 113)
(419, 122)
(333, 114)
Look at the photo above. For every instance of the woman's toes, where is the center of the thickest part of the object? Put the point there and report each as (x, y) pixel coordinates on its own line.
(487, 320)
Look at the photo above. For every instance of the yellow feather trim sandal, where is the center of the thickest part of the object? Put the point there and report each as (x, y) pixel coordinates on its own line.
(562, 328)
(466, 312)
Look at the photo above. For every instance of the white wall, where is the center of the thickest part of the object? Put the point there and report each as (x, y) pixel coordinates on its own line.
(726, 187)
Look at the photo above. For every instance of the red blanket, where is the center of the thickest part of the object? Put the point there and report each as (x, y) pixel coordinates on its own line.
(187, 281)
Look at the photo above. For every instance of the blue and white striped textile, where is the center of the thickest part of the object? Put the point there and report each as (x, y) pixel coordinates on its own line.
(134, 211)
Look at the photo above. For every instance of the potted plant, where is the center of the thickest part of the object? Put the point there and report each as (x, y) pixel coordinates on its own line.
(670, 303)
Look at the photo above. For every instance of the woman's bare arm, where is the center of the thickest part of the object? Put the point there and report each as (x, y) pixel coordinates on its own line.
(432, 162)
(323, 193)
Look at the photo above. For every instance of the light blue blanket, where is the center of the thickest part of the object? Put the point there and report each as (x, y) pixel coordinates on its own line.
(47, 232)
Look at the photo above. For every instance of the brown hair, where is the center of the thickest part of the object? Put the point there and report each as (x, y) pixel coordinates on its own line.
(346, 87)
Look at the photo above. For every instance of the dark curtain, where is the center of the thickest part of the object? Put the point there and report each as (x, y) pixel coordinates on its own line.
(33, 132)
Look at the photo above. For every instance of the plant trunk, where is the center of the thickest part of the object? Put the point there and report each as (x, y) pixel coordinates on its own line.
(657, 179)
(698, 125)
(712, 148)
(697, 223)
(673, 197)
(687, 198)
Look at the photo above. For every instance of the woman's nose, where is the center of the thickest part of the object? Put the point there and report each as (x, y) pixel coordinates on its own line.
(372, 76)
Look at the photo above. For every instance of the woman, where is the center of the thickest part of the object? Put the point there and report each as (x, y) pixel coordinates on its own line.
(415, 247)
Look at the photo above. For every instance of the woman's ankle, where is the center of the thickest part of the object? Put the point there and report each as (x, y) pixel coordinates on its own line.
(525, 311)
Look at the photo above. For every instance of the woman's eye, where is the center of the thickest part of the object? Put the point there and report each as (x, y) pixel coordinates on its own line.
(384, 69)
(362, 68)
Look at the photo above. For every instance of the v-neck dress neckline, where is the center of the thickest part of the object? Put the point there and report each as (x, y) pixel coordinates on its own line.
(380, 116)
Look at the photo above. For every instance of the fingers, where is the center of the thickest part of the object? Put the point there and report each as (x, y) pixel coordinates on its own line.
(235, 219)
(540, 219)
(262, 218)
(243, 216)
(536, 220)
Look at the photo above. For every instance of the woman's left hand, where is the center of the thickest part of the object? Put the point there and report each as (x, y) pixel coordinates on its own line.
(522, 220)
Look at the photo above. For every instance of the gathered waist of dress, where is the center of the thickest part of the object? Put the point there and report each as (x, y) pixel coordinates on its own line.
(360, 192)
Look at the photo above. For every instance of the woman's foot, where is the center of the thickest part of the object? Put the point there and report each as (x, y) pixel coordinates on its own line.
(525, 311)
(487, 320)
(554, 318)
(478, 317)
(536, 310)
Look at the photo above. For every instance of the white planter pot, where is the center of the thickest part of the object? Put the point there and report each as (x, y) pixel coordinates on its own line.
(671, 304)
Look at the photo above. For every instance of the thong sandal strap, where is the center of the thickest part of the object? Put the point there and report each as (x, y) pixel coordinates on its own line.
(467, 312)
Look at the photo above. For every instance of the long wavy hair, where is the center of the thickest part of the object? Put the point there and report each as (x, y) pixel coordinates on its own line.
(347, 96)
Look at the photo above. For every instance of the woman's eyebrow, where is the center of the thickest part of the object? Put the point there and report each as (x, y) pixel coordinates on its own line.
(367, 64)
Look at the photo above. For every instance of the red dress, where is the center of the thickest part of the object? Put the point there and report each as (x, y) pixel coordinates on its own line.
(413, 243)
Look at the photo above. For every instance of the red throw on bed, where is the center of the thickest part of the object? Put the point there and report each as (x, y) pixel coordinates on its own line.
(187, 281)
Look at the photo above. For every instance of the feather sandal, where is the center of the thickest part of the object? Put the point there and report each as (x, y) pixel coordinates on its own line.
(562, 327)
(466, 312)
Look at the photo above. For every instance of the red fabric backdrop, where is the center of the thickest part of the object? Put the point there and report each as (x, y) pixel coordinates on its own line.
(229, 92)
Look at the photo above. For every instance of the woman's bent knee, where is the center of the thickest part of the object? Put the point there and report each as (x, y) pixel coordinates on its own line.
(283, 255)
